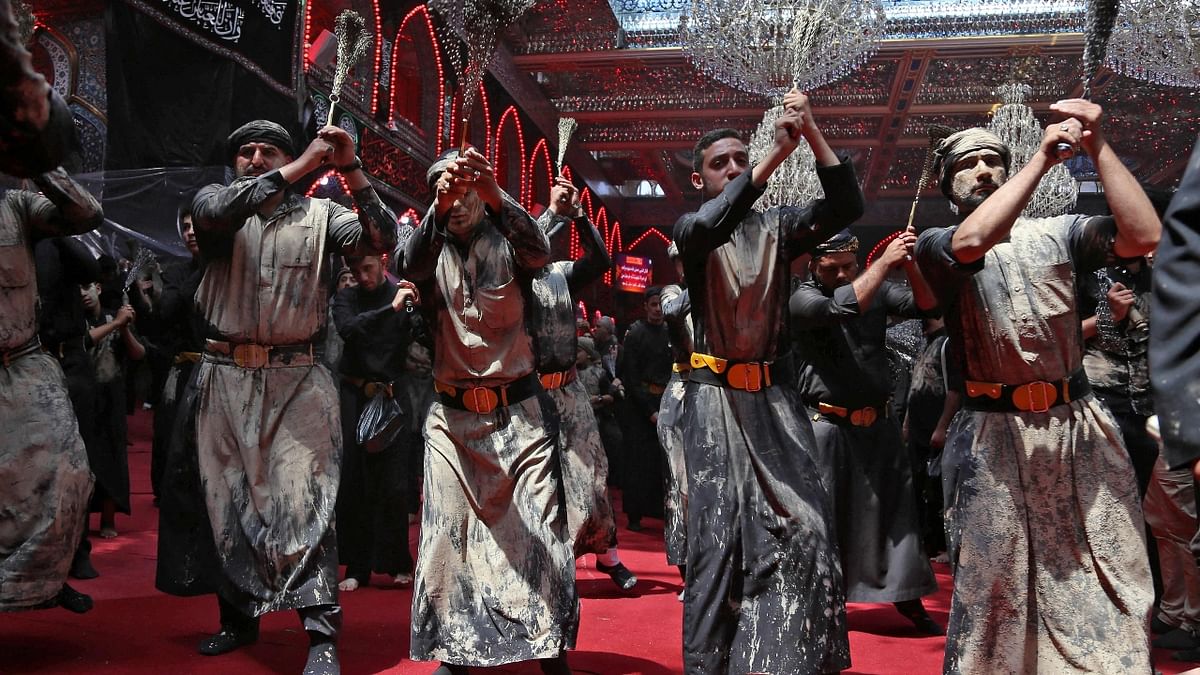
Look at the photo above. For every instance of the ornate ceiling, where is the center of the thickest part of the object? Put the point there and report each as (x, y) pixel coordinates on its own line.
(641, 105)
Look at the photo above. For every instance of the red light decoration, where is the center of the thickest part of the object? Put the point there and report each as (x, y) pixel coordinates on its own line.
(652, 231)
(410, 218)
(511, 113)
(541, 147)
(420, 10)
(880, 246)
(487, 118)
(324, 180)
(378, 58)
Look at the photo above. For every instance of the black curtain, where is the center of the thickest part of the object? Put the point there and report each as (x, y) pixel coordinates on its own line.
(176, 89)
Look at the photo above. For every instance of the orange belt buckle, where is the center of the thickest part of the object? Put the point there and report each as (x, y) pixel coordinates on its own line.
(552, 380)
(373, 388)
(251, 356)
(480, 400)
(746, 376)
(864, 417)
(1035, 397)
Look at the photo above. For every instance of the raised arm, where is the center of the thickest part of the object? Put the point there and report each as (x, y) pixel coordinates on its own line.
(220, 211)
(991, 221)
(64, 208)
(1138, 226)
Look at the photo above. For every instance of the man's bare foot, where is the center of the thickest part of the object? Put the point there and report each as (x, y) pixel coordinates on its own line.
(348, 584)
(403, 579)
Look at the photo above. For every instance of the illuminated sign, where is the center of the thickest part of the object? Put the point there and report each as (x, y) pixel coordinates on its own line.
(633, 272)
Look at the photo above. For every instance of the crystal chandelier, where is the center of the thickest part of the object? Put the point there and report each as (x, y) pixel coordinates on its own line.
(794, 182)
(1157, 41)
(769, 46)
(1015, 124)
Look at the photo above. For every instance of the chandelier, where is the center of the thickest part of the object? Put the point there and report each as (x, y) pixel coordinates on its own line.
(1015, 124)
(794, 182)
(769, 46)
(1157, 41)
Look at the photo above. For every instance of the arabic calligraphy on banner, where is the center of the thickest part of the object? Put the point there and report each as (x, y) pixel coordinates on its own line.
(224, 18)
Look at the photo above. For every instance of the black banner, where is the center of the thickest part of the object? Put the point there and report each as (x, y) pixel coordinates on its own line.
(172, 101)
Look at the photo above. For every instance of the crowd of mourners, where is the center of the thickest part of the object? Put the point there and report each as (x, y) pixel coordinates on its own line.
(322, 378)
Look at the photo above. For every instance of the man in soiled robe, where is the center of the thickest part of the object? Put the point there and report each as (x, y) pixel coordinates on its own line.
(677, 312)
(268, 429)
(495, 577)
(764, 586)
(1051, 571)
(582, 459)
(839, 321)
(45, 483)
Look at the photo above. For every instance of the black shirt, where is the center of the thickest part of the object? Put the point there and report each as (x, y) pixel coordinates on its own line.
(377, 337)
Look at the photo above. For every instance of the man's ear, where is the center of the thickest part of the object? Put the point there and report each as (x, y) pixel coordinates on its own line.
(697, 181)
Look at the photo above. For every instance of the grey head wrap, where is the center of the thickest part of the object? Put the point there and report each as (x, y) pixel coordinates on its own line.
(439, 166)
(958, 145)
(260, 131)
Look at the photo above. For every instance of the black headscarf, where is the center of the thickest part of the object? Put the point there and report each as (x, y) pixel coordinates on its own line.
(260, 131)
(842, 242)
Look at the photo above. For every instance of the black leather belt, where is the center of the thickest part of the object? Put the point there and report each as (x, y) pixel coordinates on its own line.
(8, 357)
(1038, 396)
(483, 400)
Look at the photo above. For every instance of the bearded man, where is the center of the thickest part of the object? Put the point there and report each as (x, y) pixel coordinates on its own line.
(1051, 571)
(267, 427)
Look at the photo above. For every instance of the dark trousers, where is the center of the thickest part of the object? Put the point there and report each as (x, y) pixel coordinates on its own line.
(1143, 452)
(642, 482)
(372, 504)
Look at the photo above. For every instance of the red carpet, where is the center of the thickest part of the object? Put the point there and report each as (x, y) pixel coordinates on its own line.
(136, 629)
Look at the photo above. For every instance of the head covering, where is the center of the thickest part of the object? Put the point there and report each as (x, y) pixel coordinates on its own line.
(439, 165)
(260, 131)
(842, 242)
(673, 251)
(344, 270)
(588, 345)
(652, 292)
(958, 145)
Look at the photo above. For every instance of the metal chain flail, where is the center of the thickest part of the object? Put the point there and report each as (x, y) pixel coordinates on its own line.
(566, 129)
(469, 32)
(353, 42)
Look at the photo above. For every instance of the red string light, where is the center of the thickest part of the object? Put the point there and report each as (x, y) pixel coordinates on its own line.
(378, 58)
(880, 246)
(420, 10)
(512, 113)
(652, 231)
(533, 156)
(324, 180)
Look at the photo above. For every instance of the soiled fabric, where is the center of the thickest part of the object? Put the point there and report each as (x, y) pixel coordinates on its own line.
(584, 465)
(866, 470)
(764, 586)
(678, 311)
(187, 563)
(44, 478)
(269, 440)
(495, 575)
(1052, 574)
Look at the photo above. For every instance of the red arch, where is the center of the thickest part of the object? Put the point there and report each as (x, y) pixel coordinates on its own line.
(511, 113)
(437, 57)
(541, 147)
(880, 246)
(652, 231)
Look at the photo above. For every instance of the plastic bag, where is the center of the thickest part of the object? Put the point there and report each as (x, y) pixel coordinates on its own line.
(380, 424)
